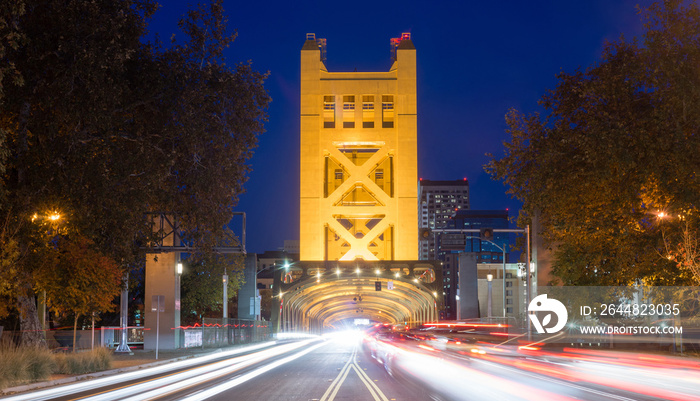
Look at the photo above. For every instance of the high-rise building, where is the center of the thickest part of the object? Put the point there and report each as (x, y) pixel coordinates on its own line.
(358, 158)
(489, 252)
(438, 202)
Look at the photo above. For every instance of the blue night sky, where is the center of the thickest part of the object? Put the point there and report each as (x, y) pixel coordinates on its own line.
(476, 60)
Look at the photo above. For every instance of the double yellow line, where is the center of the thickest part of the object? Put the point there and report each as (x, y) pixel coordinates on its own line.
(330, 394)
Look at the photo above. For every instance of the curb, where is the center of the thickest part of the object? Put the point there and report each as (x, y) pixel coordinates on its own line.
(94, 375)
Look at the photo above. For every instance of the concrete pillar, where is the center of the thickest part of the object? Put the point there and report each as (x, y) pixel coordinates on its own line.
(247, 289)
(468, 286)
(162, 279)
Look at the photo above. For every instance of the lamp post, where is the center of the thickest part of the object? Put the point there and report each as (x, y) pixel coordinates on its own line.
(225, 283)
(489, 279)
(124, 316)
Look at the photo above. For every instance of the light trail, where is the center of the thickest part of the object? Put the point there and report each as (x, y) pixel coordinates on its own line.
(117, 379)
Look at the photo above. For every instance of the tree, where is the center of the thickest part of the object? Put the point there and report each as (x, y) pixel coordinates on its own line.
(202, 287)
(80, 281)
(105, 126)
(682, 247)
(616, 145)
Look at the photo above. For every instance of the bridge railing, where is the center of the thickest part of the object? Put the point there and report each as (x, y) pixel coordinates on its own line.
(224, 332)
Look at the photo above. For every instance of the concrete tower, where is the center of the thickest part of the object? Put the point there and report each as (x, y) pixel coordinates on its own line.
(358, 158)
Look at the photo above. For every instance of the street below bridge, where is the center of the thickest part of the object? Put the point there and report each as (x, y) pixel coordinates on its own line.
(396, 367)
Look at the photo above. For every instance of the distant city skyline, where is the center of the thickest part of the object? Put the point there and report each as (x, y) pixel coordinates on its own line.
(475, 61)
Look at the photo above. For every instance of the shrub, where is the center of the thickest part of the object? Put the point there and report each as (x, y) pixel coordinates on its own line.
(24, 364)
(20, 365)
(84, 362)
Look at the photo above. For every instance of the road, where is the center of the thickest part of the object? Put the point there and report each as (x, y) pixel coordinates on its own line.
(396, 368)
(304, 370)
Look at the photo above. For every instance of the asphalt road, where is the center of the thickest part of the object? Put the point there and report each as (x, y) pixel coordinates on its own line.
(345, 368)
(304, 370)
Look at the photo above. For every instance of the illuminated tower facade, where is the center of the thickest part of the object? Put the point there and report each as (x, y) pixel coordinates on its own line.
(358, 158)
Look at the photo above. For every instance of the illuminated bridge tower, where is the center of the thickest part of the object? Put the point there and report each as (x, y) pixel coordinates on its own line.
(358, 158)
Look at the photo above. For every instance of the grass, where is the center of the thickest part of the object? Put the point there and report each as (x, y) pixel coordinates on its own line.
(19, 365)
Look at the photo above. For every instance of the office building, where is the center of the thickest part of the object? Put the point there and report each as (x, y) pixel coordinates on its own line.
(438, 202)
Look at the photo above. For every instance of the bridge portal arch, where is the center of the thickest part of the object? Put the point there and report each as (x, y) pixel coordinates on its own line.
(317, 295)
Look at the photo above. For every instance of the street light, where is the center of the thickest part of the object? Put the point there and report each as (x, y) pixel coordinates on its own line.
(224, 279)
(124, 316)
(489, 279)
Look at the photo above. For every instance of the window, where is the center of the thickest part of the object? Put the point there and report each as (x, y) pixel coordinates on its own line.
(367, 111)
(348, 111)
(509, 310)
(509, 283)
(329, 112)
(338, 174)
(509, 293)
(509, 275)
(509, 301)
(387, 111)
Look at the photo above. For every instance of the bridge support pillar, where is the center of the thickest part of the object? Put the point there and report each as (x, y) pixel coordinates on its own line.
(162, 279)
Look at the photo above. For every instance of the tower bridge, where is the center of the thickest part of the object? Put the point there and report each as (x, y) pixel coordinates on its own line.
(358, 199)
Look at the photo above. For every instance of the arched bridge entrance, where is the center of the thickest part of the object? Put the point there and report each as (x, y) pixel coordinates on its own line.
(311, 296)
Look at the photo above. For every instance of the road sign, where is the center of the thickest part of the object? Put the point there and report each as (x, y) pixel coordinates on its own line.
(453, 242)
(158, 303)
(390, 285)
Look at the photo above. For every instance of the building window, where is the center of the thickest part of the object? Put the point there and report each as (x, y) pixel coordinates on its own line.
(348, 111)
(338, 174)
(509, 293)
(509, 310)
(509, 283)
(329, 112)
(367, 111)
(509, 275)
(509, 301)
(387, 111)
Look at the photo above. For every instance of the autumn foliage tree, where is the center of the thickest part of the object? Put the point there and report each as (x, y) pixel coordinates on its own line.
(616, 144)
(78, 279)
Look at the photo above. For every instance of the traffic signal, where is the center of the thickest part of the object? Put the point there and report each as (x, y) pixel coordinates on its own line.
(486, 233)
(377, 285)
(424, 233)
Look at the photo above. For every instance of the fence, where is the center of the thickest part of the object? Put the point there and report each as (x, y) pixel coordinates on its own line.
(223, 332)
(111, 336)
